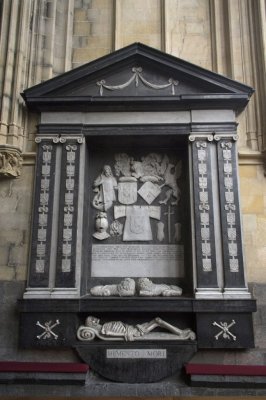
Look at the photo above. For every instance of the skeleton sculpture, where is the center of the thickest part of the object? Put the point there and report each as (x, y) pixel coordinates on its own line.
(117, 331)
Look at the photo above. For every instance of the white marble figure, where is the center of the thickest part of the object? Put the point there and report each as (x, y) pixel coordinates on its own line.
(117, 331)
(122, 165)
(104, 187)
(148, 169)
(126, 287)
(171, 174)
(147, 288)
(101, 225)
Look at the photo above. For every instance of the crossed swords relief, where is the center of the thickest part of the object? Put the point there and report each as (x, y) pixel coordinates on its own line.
(224, 330)
(48, 333)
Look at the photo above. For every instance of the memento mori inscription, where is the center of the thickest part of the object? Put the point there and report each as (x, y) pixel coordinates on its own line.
(136, 260)
(136, 353)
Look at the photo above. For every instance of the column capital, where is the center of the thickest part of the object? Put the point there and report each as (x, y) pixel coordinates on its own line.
(227, 136)
(73, 138)
(51, 138)
(204, 136)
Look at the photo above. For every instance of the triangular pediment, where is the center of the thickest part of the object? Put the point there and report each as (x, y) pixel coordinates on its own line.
(137, 74)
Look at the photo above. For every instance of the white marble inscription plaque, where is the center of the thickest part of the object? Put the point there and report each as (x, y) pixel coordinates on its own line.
(137, 260)
(136, 353)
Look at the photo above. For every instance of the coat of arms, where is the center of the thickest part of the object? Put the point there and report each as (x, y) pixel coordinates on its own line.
(127, 192)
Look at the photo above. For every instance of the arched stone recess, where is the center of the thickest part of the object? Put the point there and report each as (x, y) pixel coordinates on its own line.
(137, 178)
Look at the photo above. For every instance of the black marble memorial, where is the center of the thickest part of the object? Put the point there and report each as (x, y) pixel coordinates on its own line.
(136, 177)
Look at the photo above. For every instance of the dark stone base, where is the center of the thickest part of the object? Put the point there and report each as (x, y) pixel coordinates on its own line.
(42, 378)
(198, 315)
(225, 381)
(137, 370)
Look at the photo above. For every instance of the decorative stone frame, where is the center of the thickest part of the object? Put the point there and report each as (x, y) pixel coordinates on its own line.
(56, 265)
(205, 122)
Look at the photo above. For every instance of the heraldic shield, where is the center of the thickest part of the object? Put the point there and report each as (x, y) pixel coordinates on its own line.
(127, 192)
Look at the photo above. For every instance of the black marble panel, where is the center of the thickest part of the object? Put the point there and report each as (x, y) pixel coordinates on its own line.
(47, 330)
(203, 214)
(42, 217)
(134, 304)
(230, 214)
(225, 330)
(67, 232)
(198, 315)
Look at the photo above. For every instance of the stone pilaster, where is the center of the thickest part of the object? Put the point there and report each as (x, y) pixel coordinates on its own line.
(39, 272)
(68, 212)
(205, 271)
(233, 263)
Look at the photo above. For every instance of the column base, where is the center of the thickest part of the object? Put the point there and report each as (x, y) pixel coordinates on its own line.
(236, 293)
(48, 293)
(37, 293)
(65, 293)
(208, 293)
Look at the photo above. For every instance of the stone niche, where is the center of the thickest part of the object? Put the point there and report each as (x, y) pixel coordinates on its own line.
(136, 256)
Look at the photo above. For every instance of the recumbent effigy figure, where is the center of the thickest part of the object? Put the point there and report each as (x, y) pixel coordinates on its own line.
(147, 288)
(126, 287)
